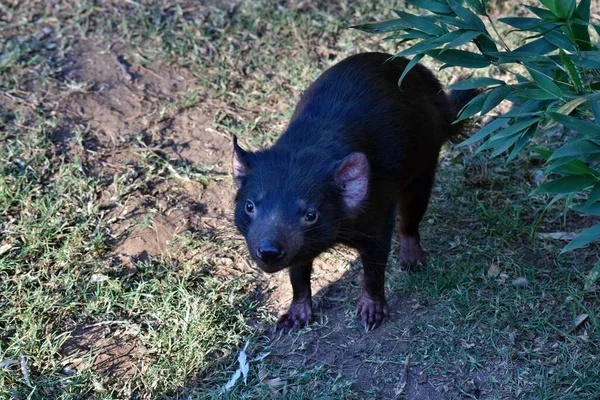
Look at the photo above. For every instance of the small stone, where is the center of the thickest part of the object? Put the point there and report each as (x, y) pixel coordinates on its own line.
(520, 282)
(98, 278)
(538, 177)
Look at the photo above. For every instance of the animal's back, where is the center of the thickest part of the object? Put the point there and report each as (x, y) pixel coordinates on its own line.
(357, 106)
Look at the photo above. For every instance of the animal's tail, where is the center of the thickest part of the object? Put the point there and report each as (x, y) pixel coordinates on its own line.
(458, 99)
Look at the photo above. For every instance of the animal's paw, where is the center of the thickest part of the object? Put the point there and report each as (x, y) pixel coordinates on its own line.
(372, 311)
(411, 253)
(298, 315)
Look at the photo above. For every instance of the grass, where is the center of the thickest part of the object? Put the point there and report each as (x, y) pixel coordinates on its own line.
(188, 311)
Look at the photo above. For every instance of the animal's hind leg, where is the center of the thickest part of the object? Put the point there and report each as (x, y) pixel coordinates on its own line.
(413, 203)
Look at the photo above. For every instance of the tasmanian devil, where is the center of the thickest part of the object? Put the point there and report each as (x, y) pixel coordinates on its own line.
(357, 148)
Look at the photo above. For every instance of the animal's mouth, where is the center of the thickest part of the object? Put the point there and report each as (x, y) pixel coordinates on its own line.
(272, 268)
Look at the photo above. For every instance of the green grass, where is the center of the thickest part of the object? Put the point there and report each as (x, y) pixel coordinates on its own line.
(189, 311)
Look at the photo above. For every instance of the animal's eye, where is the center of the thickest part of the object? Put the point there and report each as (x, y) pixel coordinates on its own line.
(249, 207)
(311, 217)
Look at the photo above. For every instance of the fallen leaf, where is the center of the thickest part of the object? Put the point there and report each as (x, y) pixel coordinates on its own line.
(5, 247)
(580, 318)
(243, 369)
(243, 360)
(493, 271)
(274, 382)
(558, 235)
(232, 381)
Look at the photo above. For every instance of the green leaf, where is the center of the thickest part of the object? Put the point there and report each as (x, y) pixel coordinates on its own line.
(560, 40)
(594, 195)
(551, 5)
(526, 91)
(592, 209)
(477, 5)
(475, 83)
(523, 23)
(582, 37)
(576, 148)
(595, 106)
(450, 36)
(572, 166)
(516, 127)
(542, 13)
(539, 47)
(592, 276)
(431, 5)
(502, 146)
(523, 140)
(544, 153)
(382, 27)
(572, 72)
(464, 38)
(483, 132)
(511, 132)
(485, 44)
(448, 20)
(415, 60)
(494, 98)
(518, 56)
(419, 48)
(472, 107)
(459, 58)
(583, 10)
(545, 83)
(583, 59)
(467, 15)
(584, 128)
(495, 142)
(525, 108)
(566, 184)
(410, 34)
(586, 237)
(565, 8)
(422, 23)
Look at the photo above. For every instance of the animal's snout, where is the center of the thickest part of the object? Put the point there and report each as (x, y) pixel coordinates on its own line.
(269, 252)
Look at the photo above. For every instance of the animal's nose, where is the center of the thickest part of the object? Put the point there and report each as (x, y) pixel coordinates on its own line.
(270, 252)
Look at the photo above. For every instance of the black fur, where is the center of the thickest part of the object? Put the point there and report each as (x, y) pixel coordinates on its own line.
(354, 108)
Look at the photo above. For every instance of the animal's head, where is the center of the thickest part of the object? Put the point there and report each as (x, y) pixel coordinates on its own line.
(291, 203)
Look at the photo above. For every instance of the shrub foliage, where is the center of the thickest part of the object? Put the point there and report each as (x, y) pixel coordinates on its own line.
(554, 85)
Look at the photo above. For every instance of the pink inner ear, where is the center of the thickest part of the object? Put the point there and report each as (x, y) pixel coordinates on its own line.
(353, 178)
(240, 169)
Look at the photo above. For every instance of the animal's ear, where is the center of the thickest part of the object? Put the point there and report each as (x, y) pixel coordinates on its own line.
(240, 164)
(352, 177)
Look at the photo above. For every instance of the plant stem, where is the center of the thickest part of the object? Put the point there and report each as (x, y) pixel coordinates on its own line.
(497, 33)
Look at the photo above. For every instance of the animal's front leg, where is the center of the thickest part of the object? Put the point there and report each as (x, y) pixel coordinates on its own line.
(372, 307)
(300, 312)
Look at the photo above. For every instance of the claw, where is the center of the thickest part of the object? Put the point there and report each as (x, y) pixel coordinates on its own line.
(411, 252)
(299, 315)
(372, 311)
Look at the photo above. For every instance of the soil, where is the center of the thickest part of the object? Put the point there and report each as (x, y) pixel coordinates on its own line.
(114, 352)
(122, 109)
